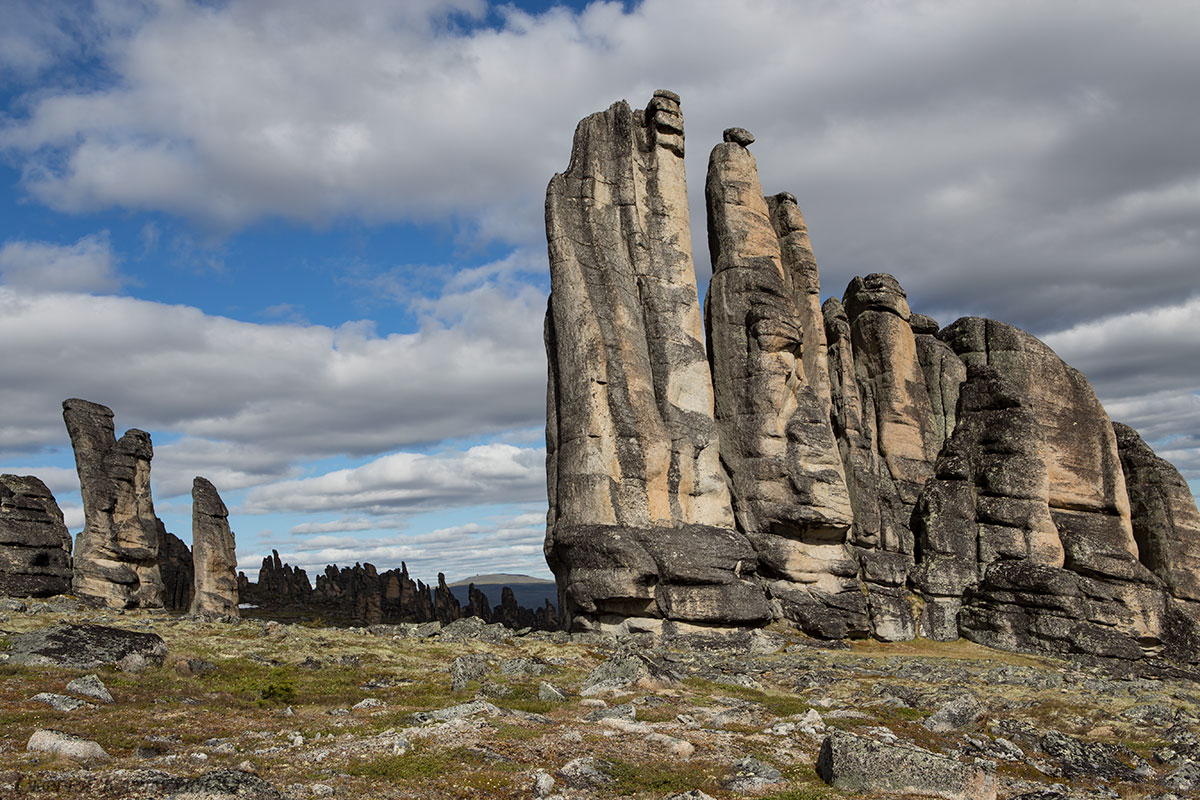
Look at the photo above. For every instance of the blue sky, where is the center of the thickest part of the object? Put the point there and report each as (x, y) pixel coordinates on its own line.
(301, 242)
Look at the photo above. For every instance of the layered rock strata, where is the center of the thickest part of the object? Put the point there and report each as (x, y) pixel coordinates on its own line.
(35, 547)
(214, 554)
(116, 554)
(885, 476)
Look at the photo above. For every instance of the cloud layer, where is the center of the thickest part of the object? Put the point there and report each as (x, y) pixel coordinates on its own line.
(1033, 162)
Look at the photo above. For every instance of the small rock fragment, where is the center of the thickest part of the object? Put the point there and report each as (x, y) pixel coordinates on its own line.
(90, 686)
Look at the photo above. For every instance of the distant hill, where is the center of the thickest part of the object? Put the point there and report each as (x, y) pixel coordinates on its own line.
(530, 592)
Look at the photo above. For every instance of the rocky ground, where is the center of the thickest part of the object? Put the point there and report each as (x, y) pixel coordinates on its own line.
(258, 709)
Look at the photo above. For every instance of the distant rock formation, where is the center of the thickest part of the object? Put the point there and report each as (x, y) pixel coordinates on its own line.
(35, 546)
(877, 474)
(363, 595)
(214, 554)
(116, 554)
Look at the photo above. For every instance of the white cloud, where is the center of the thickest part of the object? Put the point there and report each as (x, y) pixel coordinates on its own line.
(1011, 159)
(86, 266)
(492, 473)
(250, 399)
(497, 544)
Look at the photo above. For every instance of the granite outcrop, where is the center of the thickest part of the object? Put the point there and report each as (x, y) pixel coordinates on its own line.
(851, 466)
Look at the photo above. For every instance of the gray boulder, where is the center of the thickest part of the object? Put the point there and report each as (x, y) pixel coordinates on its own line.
(857, 764)
(68, 745)
(83, 647)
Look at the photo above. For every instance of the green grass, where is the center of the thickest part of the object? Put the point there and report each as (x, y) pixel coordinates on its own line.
(660, 778)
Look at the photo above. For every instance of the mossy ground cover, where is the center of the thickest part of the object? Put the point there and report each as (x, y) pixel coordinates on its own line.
(281, 698)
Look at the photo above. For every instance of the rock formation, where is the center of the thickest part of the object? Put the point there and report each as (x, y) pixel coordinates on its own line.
(214, 555)
(175, 568)
(116, 554)
(364, 596)
(884, 476)
(35, 547)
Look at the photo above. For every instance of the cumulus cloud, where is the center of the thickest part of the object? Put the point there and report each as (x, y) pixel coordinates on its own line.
(493, 473)
(246, 400)
(1011, 159)
(502, 543)
(89, 265)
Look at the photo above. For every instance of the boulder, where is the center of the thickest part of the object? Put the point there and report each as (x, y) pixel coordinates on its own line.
(68, 745)
(35, 546)
(857, 764)
(83, 646)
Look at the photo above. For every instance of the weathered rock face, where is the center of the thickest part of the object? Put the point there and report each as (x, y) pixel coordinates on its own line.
(1166, 523)
(988, 499)
(631, 440)
(214, 554)
(777, 445)
(875, 463)
(116, 554)
(35, 547)
(630, 437)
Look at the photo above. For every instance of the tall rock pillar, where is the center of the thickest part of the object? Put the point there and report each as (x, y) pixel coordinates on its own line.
(116, 554)
(633, 461)
(787, 477)
(214, 555)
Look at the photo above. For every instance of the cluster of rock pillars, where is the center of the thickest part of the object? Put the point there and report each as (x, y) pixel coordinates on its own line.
(850, 467)
(125, 558)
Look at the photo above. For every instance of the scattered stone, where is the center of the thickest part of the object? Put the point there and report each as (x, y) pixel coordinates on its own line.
(368, 703)
(550, 693)
(459, 711)
(225, 784)
(90, 686)
(751, 775)
(855, 763)
(64, 744)
(322, 790)
(134, 664)
(586, 773)
(738, 136)
(543, 784)
(59, 702)
(622, 673)
(623, 711)
(471, 667)
(959, 713)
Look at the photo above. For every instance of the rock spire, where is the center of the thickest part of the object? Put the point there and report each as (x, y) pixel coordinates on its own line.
(116, 554)
(214, 555)
(851, 467)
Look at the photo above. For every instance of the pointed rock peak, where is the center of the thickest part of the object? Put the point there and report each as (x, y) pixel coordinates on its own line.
(738, 136)
(206, 500)
(878, 291)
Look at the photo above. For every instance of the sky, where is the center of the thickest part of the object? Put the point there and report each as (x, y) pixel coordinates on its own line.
(301, 243)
